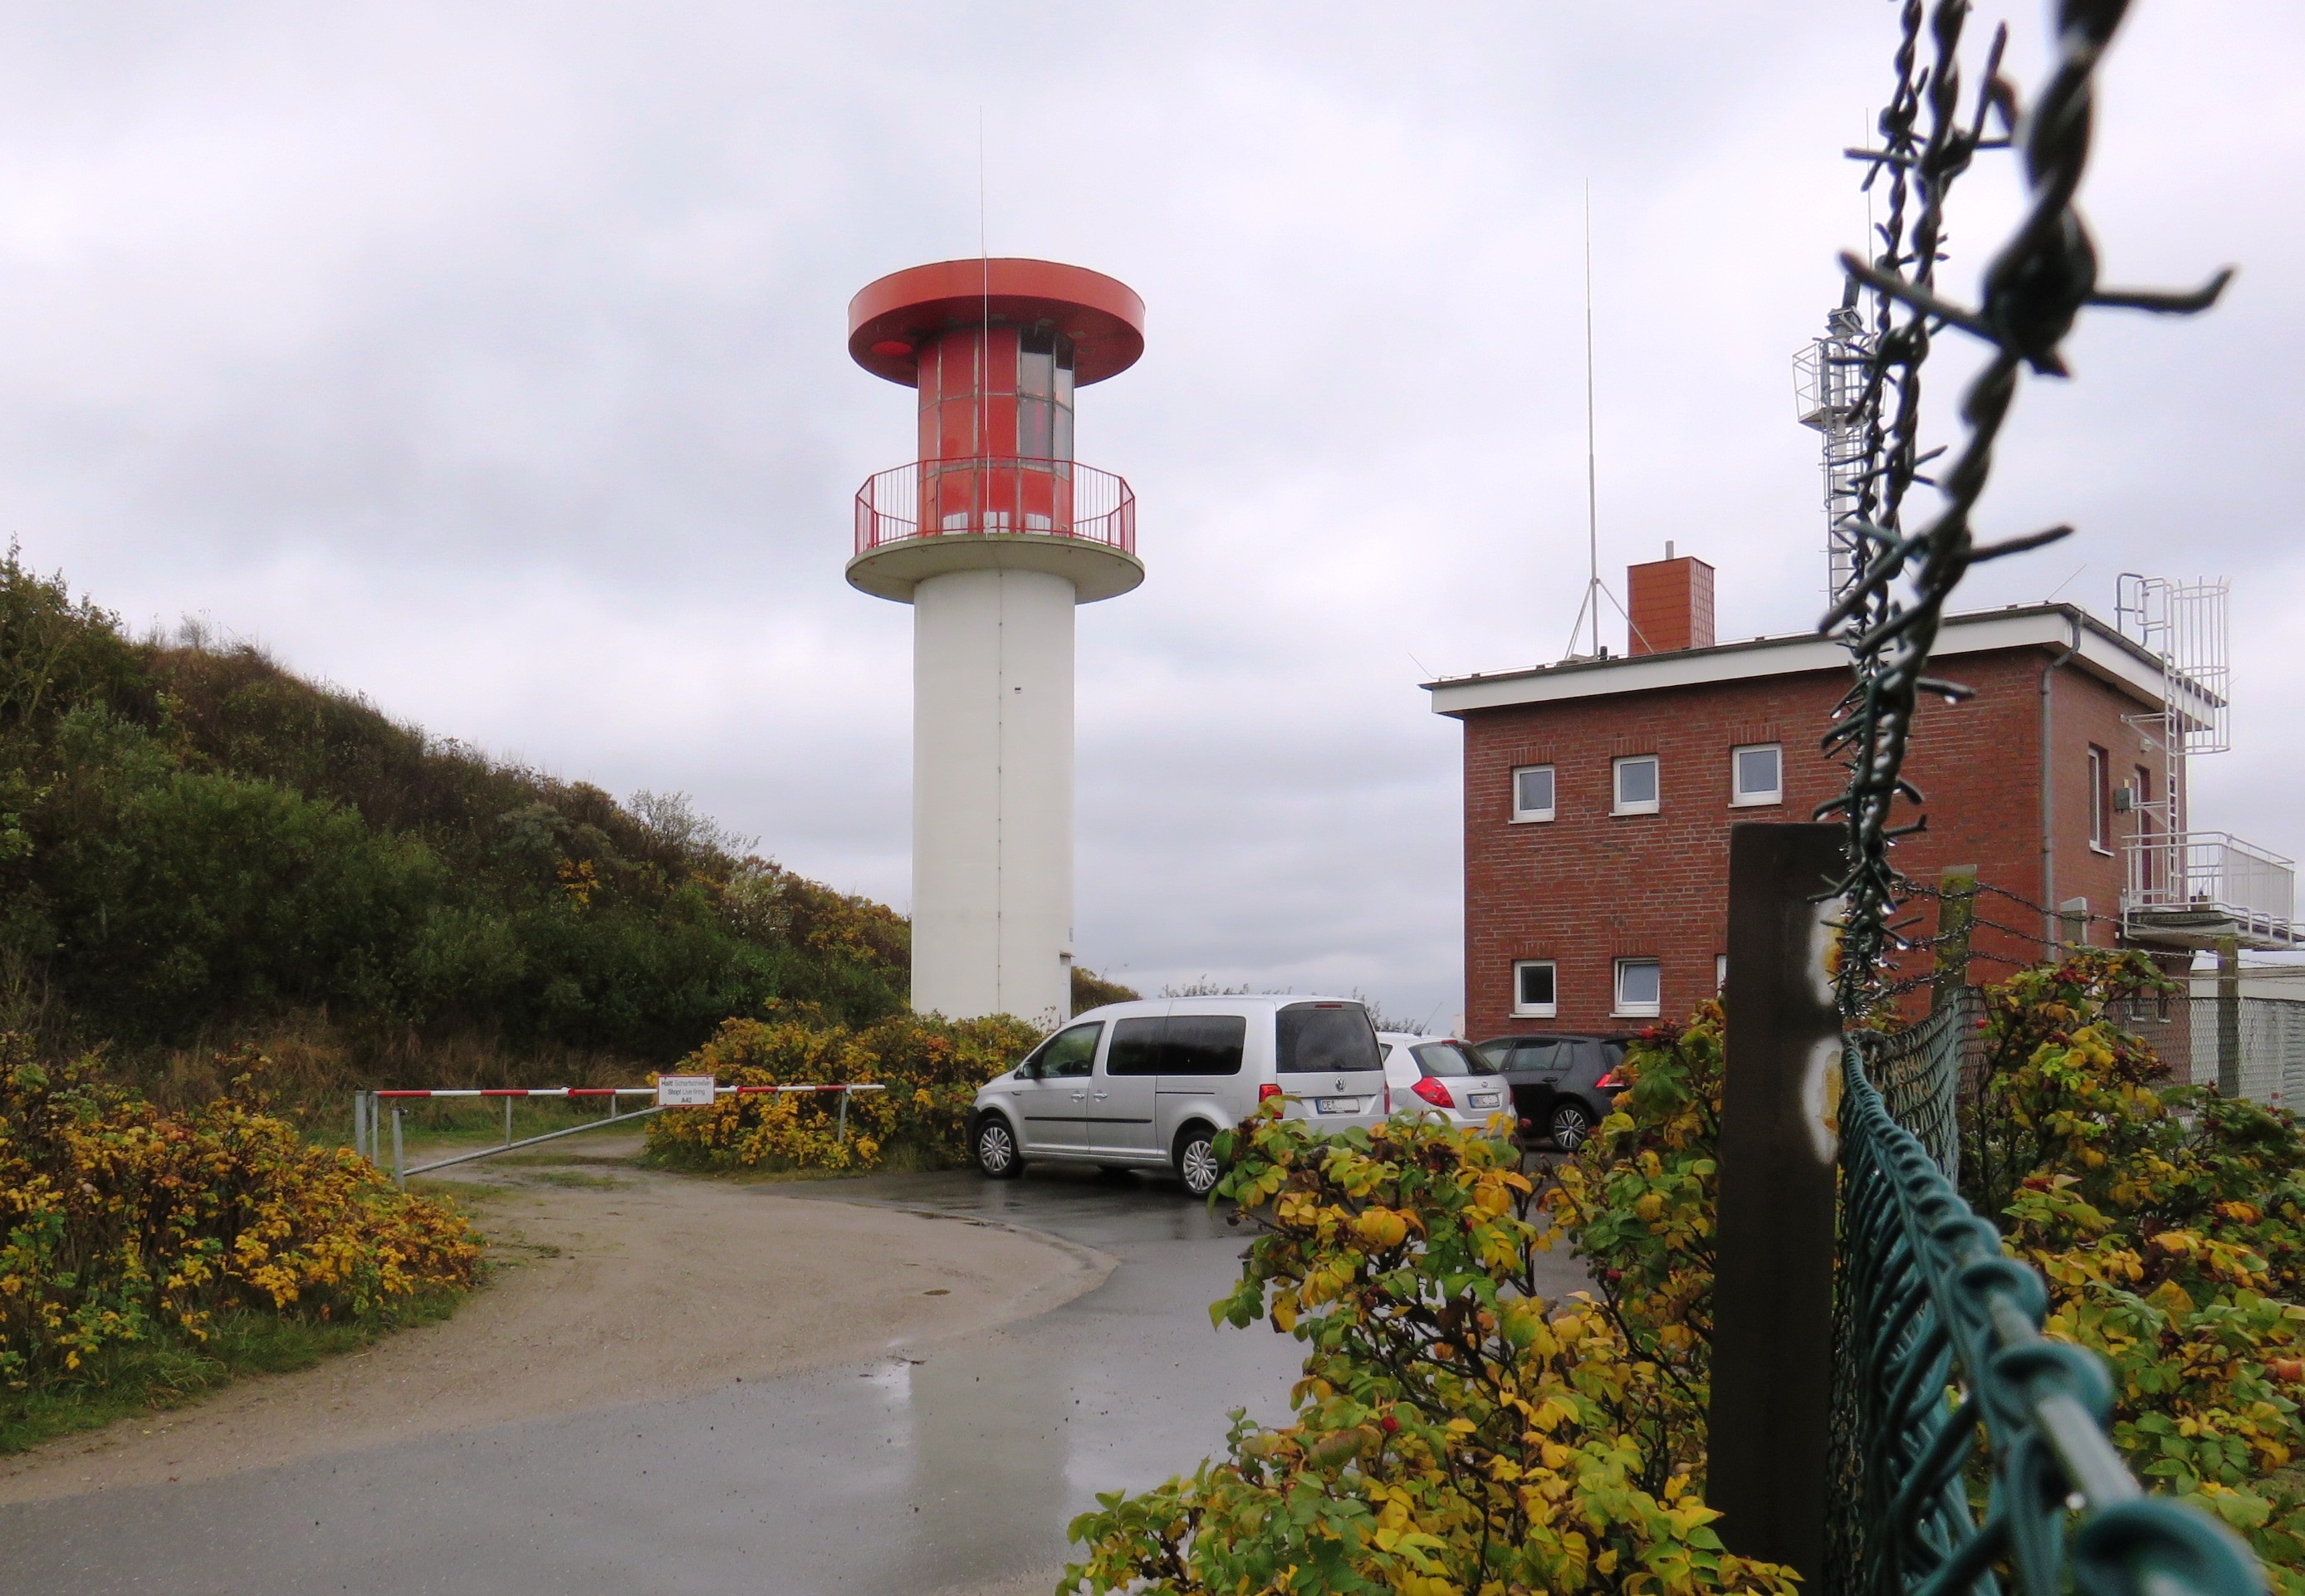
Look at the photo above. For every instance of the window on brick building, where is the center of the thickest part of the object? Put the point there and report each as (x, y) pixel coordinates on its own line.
(1640, 988)
(1720, 974)
(1532, 793)
(1757, 774)
(1636, 779)
(2100, 800)
(1534, 991)
(2141, 821)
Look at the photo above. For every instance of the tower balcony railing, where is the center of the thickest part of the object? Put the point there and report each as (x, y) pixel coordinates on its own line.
(2206, 875)
(997, 495)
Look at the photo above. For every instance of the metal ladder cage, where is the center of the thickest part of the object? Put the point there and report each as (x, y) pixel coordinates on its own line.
(1940, 1364)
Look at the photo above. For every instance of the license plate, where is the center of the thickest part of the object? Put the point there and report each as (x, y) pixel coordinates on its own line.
(1336, 1105)
(1485, 1099)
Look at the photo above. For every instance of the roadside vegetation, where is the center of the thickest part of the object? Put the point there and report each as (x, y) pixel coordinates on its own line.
(199, 848)
(1453, 1431)
(2170, 1223)
(930, 1069)
(147, 1255)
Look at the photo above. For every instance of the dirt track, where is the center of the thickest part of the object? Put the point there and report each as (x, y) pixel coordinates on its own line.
(612, 1283)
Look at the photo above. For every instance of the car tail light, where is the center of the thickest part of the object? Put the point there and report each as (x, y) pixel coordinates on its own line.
(1388, 1099)
(1271, 1088)
(1611, 1081)
(1433, 1093)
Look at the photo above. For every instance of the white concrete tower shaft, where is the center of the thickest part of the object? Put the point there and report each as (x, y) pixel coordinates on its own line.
(992, 793)
(994, 536)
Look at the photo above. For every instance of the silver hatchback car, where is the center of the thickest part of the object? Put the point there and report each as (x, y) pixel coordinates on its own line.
(1149, 1084)
(1440, 1075)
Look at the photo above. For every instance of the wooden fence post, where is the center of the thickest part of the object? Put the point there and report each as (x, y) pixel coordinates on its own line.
(1773, 1285)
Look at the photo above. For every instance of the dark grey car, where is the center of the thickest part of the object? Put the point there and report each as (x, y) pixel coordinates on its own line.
(1562, 1081)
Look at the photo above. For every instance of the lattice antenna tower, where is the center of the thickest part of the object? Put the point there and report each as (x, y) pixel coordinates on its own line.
(2185, 625)
(1829, 376)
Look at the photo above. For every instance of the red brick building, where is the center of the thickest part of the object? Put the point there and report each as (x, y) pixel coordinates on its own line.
(1599, 795)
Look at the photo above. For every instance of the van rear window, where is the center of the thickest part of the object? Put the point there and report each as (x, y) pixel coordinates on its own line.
(1178, 1045)
(1321, 1038)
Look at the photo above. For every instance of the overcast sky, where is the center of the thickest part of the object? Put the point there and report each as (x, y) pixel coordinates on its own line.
(487, 359)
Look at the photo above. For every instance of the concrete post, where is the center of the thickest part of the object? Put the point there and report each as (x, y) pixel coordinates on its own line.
(1772, 1288)
(2229, 1017)
(1956, 915)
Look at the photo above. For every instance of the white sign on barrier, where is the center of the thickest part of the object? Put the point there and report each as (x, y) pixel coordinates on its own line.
(684, 1091)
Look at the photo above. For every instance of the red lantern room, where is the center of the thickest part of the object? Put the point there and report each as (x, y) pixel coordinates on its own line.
(996, 349)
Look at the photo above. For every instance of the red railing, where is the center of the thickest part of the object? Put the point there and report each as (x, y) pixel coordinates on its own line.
(1047, 498)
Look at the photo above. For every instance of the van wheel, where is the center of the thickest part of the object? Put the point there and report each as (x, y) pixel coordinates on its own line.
(1570, 1126)
(996, 1150)
(1196, 1159)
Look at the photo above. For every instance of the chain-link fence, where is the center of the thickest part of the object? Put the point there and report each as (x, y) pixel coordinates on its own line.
(2187, 1034)
(1939, 1365)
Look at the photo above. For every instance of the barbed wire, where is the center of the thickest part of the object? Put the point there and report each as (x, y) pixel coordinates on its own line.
(2033, 290)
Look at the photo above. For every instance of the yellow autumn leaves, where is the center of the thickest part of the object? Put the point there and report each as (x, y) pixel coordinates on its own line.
(119, 1223)
(1455, 1432)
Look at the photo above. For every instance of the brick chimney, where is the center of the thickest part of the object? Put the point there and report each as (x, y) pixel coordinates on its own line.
(1669, 602)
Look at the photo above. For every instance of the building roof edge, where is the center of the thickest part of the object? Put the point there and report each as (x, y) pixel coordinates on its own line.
(2118, 660)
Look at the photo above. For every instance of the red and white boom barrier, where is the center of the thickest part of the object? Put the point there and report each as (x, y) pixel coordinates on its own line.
(670, 1092)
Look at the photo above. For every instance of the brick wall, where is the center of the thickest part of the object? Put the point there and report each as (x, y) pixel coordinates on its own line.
(1590, 887)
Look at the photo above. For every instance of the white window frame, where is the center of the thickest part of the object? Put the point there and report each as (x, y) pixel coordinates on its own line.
(1638, 1011)
(1648, 806)
(2100, 814)
(1536, 1011)
(1739, 798)
(1720, 974)
(1522, 816)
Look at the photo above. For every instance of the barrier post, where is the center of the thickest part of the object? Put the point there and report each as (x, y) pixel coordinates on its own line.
(399, 1164)
(842, 1134)
(507, 1102)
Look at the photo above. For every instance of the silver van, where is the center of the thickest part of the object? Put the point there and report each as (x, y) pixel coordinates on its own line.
(1149, 1084)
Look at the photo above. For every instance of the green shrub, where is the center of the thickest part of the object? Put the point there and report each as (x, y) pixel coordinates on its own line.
(2170, 1223)
(196, 845)
(1454, 1431)
(930, 1068)
(123, 1229)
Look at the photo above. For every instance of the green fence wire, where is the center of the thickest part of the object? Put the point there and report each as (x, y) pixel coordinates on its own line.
(1968, 1445)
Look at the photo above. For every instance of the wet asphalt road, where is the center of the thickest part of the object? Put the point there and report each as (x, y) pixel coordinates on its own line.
(890, 1479)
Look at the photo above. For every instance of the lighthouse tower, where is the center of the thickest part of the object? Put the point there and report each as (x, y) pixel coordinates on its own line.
(993, 535)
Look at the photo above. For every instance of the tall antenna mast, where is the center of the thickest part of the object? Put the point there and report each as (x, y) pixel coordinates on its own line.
(1831, 375)
(1593, 589)
(984, 279)
(1592, 489)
